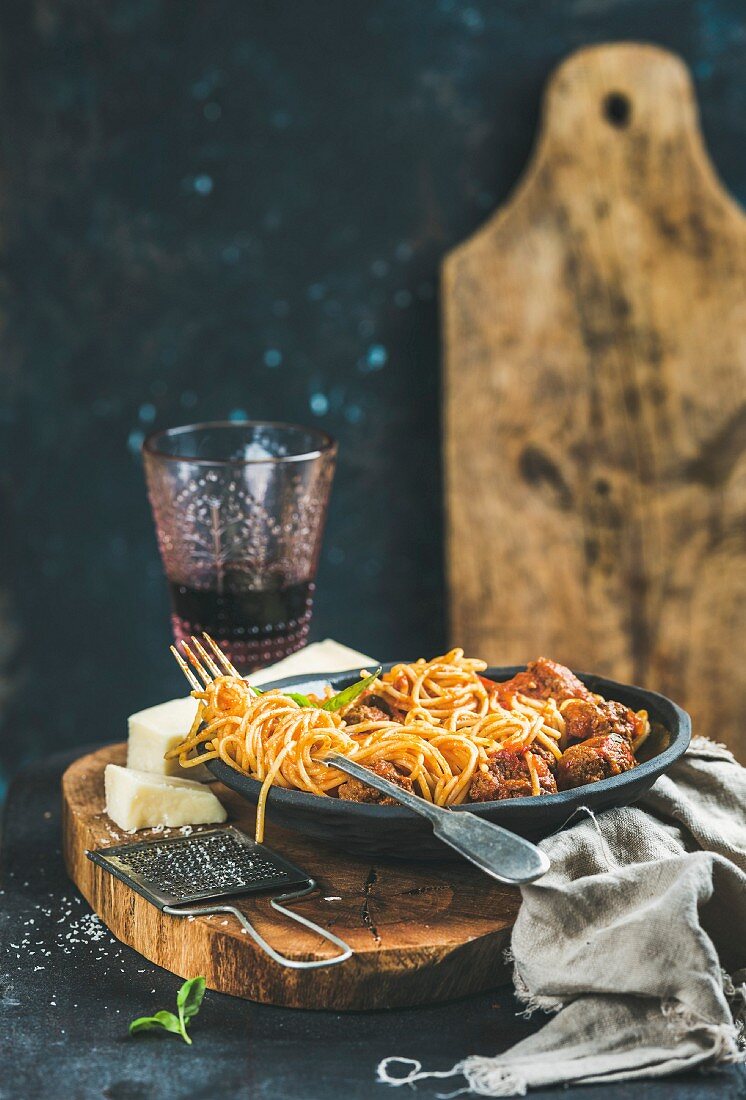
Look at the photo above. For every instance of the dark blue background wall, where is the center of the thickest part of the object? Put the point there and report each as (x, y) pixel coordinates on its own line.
(239, 208)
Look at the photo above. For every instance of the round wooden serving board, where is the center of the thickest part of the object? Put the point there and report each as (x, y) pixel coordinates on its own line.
(420, 932)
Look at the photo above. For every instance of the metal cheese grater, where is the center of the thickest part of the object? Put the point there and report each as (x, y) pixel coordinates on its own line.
(176, 872)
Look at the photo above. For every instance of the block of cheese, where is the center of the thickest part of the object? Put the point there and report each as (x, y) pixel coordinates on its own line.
(141, 800)
(154, 731)
(326, 656)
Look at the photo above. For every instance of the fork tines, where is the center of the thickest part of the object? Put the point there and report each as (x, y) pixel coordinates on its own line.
(207, 670)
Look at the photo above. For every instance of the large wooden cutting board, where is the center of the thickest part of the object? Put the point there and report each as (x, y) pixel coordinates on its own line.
(421, 933)
(595, 398)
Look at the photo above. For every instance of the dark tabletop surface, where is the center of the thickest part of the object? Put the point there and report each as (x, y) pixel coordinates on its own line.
(68, 991)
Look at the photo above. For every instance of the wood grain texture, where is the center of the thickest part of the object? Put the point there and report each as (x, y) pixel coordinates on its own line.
(421, 934)
(595, 398)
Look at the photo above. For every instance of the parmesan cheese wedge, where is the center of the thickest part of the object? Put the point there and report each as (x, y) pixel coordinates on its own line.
(140, 800)
(326, 656)
(153, 732)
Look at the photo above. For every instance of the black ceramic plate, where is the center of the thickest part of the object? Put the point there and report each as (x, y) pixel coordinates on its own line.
(396, 831)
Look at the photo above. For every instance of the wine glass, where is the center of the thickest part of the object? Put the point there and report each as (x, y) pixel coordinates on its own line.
(239, 509)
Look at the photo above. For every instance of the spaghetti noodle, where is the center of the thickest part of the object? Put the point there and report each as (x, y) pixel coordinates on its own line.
(440, 690)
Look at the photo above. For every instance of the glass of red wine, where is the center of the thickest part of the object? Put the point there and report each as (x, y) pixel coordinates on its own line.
(239, 509)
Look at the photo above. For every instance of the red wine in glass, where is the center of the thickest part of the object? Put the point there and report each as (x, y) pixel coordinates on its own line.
(254, 627)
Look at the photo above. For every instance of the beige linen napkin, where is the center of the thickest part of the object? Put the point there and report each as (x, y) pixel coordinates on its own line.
(635, 940)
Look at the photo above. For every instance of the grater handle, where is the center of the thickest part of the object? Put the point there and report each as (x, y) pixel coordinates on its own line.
(277, 905)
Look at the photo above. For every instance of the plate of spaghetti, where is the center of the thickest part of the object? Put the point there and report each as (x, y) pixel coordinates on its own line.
(525, 747)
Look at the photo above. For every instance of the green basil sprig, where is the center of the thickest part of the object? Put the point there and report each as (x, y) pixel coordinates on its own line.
(188, 1001)
(301, 700)
(350, 694)
(341, 699)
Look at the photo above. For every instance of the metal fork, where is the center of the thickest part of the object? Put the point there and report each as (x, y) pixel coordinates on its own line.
(209, 670)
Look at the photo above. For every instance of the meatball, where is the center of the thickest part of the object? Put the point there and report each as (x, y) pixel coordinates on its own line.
(371, 708)
(586, 718)
(365, 713)
(354, 790)
(592, 760)
(507, 776)
(544, 679)
(548, 757)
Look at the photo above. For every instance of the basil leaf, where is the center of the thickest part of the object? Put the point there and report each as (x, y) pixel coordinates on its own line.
(189, 997)
(188, 1000)
(301, 700)
(349, 694)
(165, 1020)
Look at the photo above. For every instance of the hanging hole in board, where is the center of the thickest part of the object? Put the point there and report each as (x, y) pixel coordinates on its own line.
(617, 109)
